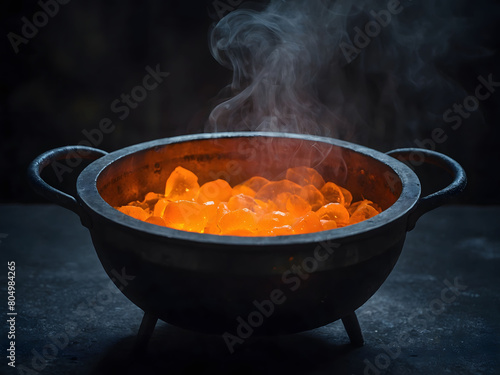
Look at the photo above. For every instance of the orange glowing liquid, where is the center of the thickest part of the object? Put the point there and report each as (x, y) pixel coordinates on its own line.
(301, 203)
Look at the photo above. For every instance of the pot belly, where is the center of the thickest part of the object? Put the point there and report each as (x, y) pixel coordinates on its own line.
(292, 292)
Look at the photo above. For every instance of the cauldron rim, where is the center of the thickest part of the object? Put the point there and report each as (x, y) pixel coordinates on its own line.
(92, 202)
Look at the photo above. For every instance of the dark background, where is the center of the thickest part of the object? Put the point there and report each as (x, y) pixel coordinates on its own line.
(65, 78)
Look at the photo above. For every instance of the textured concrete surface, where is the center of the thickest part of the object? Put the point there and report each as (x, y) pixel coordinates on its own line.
(72, 321)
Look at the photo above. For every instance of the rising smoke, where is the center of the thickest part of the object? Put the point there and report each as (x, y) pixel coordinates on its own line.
(349, 69)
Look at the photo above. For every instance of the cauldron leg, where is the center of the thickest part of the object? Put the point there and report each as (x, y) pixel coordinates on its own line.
(145, 332)
(353, 330)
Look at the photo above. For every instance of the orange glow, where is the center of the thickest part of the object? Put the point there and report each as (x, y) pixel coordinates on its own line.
(301, 203)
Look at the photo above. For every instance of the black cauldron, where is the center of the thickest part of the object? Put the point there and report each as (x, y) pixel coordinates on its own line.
(230, 284)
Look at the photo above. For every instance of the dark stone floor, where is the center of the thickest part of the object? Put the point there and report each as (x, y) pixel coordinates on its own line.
(72, 321)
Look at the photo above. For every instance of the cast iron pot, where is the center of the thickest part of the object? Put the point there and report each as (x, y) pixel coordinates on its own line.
(236, 285)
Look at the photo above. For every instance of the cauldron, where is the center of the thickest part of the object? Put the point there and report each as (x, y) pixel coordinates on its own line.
(234, 285)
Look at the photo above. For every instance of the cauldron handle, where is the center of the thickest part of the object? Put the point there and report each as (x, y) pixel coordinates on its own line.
(62, 153)
(442, 196)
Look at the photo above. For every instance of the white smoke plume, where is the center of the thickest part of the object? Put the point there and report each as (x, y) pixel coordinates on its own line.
(348, 69)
